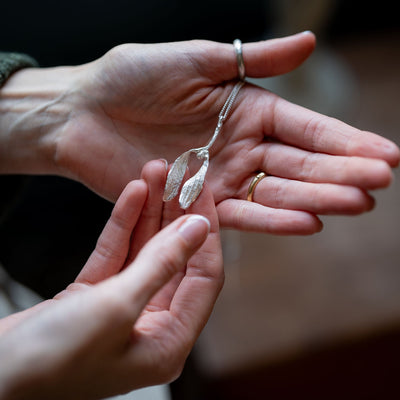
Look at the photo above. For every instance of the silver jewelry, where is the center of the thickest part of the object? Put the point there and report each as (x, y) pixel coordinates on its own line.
(237, 44)
(192, 188)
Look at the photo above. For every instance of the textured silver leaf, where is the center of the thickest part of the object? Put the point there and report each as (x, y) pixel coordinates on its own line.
(192, 188)
(175, 176)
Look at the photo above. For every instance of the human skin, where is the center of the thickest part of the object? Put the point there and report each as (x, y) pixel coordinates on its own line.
(132, 315)
(100, 122)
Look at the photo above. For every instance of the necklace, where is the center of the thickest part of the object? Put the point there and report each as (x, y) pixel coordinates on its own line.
(193, 186)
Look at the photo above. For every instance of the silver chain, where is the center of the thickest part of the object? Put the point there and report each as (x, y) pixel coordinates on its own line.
(192, 188)
(223, 115)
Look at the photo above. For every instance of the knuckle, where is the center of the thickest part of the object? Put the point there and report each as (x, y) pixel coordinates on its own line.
(106, 250)
(117, 52)
(279, 194)
(313, 131)
(308, 167)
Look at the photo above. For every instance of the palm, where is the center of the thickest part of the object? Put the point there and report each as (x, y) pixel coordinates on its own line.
(153, 101)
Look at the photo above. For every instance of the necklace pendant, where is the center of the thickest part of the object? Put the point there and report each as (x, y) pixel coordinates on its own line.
(193, 187)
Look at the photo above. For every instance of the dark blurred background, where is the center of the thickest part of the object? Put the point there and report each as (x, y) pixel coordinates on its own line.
(306, 318)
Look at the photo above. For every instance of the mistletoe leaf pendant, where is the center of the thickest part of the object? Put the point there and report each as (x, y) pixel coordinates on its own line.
(175, 176)
(193, 186)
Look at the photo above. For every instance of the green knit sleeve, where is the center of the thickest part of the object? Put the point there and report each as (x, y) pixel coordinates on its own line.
(12, 62)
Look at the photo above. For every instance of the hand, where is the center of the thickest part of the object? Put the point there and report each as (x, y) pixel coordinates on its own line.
(113, 331)
(139, 102)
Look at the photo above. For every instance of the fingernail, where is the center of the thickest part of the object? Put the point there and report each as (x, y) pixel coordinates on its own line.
(195, 229)
(305, 32)
(165, 162)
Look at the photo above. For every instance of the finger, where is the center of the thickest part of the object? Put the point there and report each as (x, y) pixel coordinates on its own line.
(162, 257)
(204, 205)
(326, 199)
(162, 299)
(154, 174)
(277, 56)
(309, 130)
(195, 297)
(112, 246)
(253, 217)
(293, 163)
(261, 59)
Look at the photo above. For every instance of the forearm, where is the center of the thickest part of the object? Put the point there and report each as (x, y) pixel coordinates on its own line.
(33, 111)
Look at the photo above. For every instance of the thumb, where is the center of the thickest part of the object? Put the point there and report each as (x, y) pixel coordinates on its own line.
(277, 56)
(161, 258)
(261, 59)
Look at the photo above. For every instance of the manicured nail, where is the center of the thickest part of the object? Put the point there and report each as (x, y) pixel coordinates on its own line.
(195, 229)
(165, 162)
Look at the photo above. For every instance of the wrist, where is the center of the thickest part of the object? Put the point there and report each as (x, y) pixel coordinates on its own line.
(34, 107)
(10, 380)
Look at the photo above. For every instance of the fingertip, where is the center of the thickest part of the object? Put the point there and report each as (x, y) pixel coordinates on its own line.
(253, 217)
(298, 223)
(308, 41)
(307, 224)
(194, 230)
(137, 185)
(386, 150)
(277, 56)
(319, 226)
(371, 145)
(163, 160)
(134, 192)
(371, 203)
(154, 173)
(392, 154)
(383, 175)
(309, 35)
(154, 167)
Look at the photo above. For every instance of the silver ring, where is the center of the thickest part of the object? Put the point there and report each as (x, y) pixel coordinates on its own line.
(237, 44)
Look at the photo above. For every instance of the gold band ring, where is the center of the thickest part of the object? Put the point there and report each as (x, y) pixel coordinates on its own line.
(253, 185)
